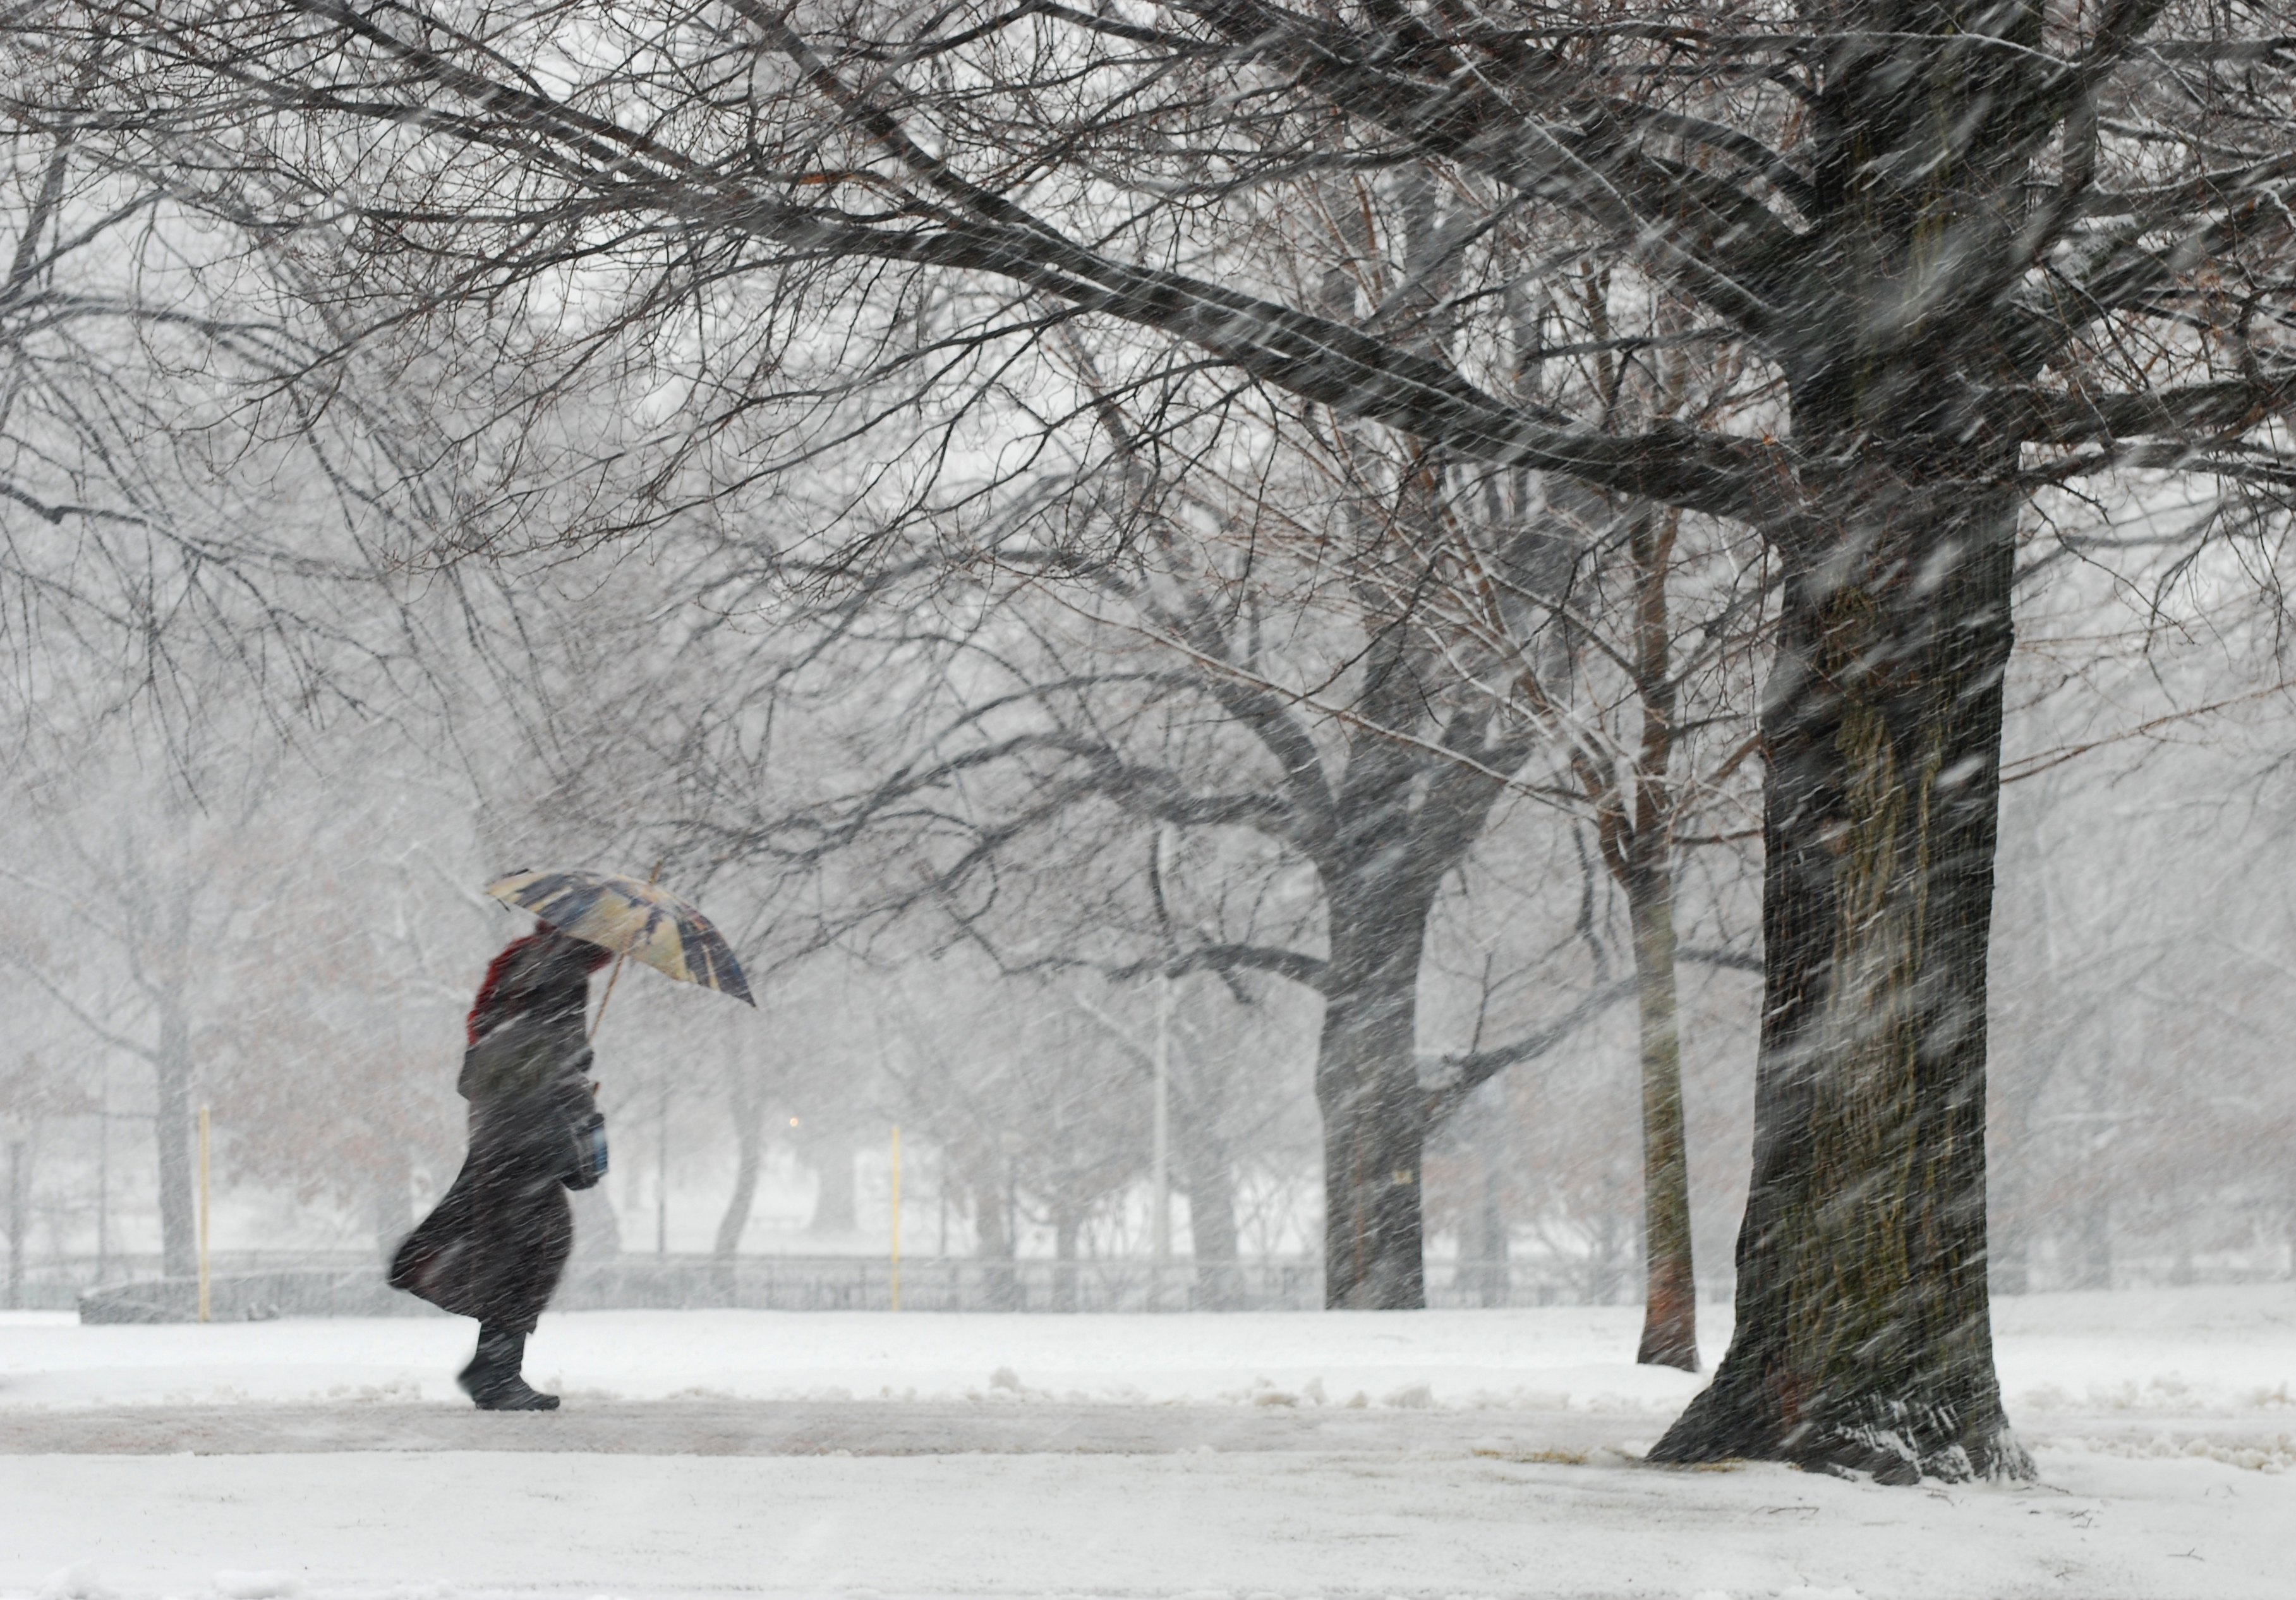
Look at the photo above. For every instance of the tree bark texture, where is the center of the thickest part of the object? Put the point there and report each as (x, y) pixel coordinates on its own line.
(1634, 817)
(1396, 825)
(1670, 1299)
(1863, 1338)
(1374, 1124)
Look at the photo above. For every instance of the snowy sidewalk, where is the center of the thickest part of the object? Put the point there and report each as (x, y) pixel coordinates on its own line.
(562, 1527)
(736, 1427)
(804, 1428)
(1460, 1454)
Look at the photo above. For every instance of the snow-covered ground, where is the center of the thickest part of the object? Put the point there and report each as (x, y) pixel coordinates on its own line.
(2200, 1352)
(1440, 1453)
(1549, 1357)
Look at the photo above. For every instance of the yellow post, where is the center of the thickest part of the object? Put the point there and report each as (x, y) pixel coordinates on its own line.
(203, 1213)
(896, 1216)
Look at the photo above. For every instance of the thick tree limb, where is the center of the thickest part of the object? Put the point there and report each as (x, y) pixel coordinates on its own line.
(1722, 240)
(1317, 358)
(2199, 412)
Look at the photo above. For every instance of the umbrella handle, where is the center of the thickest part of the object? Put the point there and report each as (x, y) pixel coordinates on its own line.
(603, 999)
(615, 976)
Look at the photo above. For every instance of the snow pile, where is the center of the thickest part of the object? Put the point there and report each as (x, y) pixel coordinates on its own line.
(257, 1586)
(77, 1581)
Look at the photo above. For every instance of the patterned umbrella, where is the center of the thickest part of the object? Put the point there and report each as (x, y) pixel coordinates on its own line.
(641, 920)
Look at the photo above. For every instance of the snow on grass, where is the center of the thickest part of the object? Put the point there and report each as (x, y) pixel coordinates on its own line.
(2189, 1353)
(2217, 1350)
(1552, 1359)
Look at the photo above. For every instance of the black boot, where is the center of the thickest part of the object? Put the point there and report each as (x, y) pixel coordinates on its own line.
(493, 1380)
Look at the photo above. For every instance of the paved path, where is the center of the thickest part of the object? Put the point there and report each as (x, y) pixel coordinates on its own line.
(807, 1428)
(912, 1428)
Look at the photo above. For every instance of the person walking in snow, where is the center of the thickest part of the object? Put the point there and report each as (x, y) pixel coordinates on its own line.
(496, 1244)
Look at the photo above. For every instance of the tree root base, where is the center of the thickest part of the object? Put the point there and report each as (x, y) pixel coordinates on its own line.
(1893, 1442)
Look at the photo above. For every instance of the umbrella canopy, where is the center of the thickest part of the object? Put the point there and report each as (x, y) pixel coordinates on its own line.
(641, 920)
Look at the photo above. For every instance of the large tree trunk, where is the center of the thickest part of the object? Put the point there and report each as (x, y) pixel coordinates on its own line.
(1863, 1338)
(1375, 1117)
(1670, 1297)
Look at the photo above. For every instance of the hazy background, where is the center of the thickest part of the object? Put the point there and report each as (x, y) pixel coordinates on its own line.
(298, 898)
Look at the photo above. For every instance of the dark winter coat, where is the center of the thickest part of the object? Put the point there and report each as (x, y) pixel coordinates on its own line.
(497, 1242)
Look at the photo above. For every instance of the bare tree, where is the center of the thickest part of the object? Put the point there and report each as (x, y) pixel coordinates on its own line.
(1336, 602)
(193, 557)
(1149, 701)
(1640, 672)
(1982, 248)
